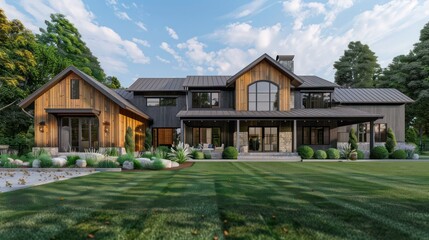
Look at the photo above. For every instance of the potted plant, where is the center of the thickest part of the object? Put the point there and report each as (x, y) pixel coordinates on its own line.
(353, 155)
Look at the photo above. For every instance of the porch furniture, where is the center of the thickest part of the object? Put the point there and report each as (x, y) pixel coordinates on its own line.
(220, 148)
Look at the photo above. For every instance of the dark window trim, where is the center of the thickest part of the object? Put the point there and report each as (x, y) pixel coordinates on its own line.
(379, 133)
(210, 99)
(72, 93)
(263, 135)
(269, 94)
(160, 100)
(311, 127)
(199, 132)
(309, 99)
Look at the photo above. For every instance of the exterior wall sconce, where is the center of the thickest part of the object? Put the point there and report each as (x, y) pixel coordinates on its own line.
(106, 126)
(42, 126)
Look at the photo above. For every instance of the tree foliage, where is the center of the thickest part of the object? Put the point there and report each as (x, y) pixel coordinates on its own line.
(65, 37)
(358, 66)
(353, 141)
(113, 82)
(129, 141)
(390, 141)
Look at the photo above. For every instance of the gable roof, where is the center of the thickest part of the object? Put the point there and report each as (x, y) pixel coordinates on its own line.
(370, 96)
(296, 80)
(111, 94)
(311, 81)
(206, 81)
(157, 84)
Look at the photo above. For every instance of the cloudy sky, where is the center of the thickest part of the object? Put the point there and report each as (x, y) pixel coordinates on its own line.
(161, 38)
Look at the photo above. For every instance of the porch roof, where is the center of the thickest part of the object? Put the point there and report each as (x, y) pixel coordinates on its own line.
(335, 113)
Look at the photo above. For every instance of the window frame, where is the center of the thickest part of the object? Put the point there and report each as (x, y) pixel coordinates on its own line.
(210, 102)
(323, 128)
(73, 87)
(271, 104)
(312, 100)
(161, 101)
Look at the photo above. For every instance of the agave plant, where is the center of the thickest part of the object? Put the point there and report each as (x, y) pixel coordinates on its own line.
(181, 154)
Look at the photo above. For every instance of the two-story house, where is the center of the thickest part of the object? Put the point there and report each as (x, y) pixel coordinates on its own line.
(265, 107)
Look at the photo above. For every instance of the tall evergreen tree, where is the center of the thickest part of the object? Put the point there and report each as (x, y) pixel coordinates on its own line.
(113, 82)
(63, 35)
(358, 66)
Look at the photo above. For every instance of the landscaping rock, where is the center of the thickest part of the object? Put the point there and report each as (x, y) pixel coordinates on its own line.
(10, 160)
(416, 156)
(59, 162)
(62, 156)
(174, 164)
(36, 163)
(25, 164)
(167, 163)
(17, 162)
(128, 165)
(144, 161)
(81, 163)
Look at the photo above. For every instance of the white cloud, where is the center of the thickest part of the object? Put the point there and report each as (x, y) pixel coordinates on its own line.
(164, 46)
(122, 15)
(124, 6)
(172, 33)
(111, 2)
(135, 5)
(13, 13)
(141, 42)
(252, 8)
(195, 51)
(162, 59)
(141, 25)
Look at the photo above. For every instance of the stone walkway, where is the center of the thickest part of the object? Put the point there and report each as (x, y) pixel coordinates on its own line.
(14, 179)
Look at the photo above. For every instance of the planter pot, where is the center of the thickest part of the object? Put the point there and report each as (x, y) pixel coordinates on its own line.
(353, 156)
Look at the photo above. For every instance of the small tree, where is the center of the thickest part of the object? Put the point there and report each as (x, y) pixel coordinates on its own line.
(390, 141)
(148, 139)
(411, 136)
(129, 141)
(353, 139)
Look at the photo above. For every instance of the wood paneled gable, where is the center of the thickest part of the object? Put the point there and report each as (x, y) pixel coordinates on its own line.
(262, 71)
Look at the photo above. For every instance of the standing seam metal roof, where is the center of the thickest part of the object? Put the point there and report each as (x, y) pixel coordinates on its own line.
(370, 95)
(158, 84)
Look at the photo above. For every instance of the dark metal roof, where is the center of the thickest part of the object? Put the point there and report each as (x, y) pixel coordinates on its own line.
(111, 94)
(157, 84)
(311, 81)
(125, 94)
(370, 95)
(315, 113)
(206, 81)
(296, 80)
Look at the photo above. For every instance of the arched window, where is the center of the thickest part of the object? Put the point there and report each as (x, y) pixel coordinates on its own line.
(263, 96)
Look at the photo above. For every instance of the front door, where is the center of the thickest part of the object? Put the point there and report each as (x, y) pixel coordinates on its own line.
(263, 139)
(78, 133)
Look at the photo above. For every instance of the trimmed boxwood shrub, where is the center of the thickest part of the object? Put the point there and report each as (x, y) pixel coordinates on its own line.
(390, 141)
(399, 154)
(71, 160)
(107, 164)
(45, 161)
(353, 141)
(207, 155)
(360, 154)
(333, 153)
(198, 155)
(320, 154)
(305, 152)
(126, 157)
(379, 152)
(229, 153)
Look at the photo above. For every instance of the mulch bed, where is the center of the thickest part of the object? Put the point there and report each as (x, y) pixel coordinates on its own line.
(181, 166)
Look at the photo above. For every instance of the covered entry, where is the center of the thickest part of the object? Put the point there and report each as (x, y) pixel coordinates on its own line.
(78, 133)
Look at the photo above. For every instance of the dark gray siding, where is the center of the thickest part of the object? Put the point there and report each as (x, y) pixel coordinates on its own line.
(163, 117)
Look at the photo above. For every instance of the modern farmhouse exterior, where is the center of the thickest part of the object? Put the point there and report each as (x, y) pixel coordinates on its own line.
(265, 107)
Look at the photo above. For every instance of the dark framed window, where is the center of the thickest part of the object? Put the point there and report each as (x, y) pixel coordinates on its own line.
(362, 131)
(263, 96)
(205, 100)
(74, 89)
(163, 102)
(315, 135)
(380, 132)
(316, 100)
(206, 136)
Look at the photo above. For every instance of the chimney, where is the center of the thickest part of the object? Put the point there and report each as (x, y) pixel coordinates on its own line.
(286, 61)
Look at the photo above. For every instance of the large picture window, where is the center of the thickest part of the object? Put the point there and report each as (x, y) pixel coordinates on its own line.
(74, 89)
(316, 100)
(362, 131)
(380, 132)
(206, 136)
(263, 96)
(315, 135)
(205, 100)
(163, 102)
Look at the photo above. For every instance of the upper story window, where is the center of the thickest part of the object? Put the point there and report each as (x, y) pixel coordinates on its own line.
(160, 101)
(205, 100)
(74, 89)
(263, 96)
(316, 100)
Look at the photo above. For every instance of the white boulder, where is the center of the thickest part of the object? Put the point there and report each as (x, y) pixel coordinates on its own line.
(128, 165)
(63, 156)
(17, 162)
(59, 162)
(167, 163)
(10, 160)
(416, 156)
(81, 163)
(144, 161)
(36, 163)
(25, 164)
(174, 164)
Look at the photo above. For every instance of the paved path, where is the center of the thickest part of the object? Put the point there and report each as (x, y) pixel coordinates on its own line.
(310, 160)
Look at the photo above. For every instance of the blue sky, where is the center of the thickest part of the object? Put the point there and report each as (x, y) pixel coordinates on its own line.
(177, 38)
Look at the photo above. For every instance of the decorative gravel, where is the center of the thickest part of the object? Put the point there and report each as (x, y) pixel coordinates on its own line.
(14, 179)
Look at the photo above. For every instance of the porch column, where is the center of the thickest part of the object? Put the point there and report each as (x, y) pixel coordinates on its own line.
(238, 135)
(371, 135)
(182, 132)
(294, 136)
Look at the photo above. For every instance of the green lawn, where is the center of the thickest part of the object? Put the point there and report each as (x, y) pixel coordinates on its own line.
(249, 200)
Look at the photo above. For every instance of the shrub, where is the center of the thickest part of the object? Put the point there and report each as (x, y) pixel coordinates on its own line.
(228, 153)
(333, 153)
(305, 152)
(137, 164)
(162, 152)
(409, 148)
(207, 155)
(157, 164)
(107, 164)
(379, 152)
(345, 151)
(129, 141)
(126, 157)
(399, 154)
(390, 141)
(71, 160)
(360, 154)
(198, 155)
(148, 139)
(91, 162)
(8, 164)
(45, 161)
(411, 136)
(181, 154)
(320, 154)
(353, 139)
(111, 152)
(4, 159)
(146, 155)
